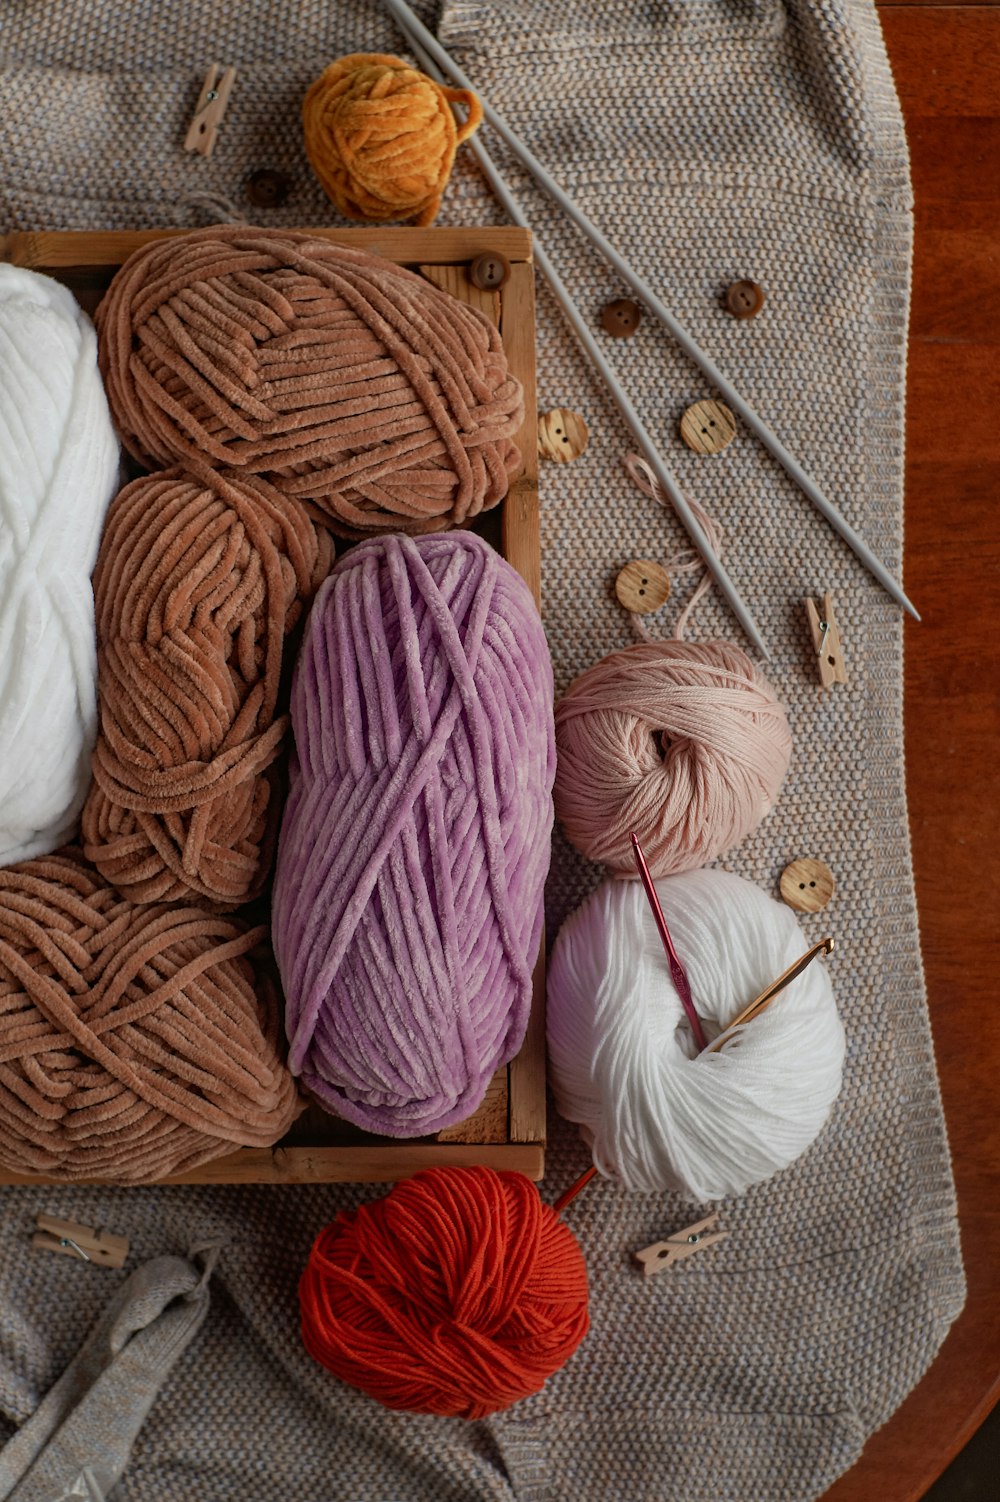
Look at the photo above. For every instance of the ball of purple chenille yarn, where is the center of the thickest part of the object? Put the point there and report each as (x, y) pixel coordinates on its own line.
(415, 841)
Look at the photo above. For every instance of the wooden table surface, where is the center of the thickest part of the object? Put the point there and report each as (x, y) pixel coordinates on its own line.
(946, 61)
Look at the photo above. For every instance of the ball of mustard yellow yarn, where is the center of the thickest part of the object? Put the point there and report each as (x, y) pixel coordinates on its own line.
(381, 137)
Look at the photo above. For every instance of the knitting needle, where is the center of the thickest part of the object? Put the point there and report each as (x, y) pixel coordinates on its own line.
(416, 31)
(677, 971)
(670, 486)
(763, 1001)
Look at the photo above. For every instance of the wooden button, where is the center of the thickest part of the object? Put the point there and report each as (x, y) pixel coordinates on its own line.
(621, 318)
(744, 299)
(807, 885)
(489, 271)
(708, 427)
(642, 586)
(562, 435)
(266, 189)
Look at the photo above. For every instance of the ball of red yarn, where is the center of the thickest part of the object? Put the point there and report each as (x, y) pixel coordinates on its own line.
(457, 1294)
(682, 743)
(346, 380)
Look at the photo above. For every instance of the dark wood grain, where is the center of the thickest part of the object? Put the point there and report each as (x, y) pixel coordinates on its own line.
(946, 61)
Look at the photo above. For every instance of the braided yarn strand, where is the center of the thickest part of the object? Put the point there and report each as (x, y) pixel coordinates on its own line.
(457, 1294)
(348, 382)
(381, 137)
(198, 583)
(58, 471)
(682, 743)
(135, 1042)
(415, 843)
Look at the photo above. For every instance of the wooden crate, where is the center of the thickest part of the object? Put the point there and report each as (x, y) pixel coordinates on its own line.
(508, 1131)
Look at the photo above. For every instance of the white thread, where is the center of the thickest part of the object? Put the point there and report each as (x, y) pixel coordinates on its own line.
(58, 472)
(625, 1066)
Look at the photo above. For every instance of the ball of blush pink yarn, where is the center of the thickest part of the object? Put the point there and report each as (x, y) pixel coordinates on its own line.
(681, 743)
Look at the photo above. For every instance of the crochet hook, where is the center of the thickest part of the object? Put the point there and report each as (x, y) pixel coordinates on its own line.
(416, 31)
(576, 320)
(763, 1001)
(677, 972)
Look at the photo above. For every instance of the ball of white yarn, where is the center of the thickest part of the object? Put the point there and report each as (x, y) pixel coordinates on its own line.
(625, 1066)
(58, 472)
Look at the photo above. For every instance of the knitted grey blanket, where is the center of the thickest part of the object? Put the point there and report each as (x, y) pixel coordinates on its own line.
(713, 140)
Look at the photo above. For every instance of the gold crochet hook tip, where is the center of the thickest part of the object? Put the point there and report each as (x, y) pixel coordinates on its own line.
(763, 1001)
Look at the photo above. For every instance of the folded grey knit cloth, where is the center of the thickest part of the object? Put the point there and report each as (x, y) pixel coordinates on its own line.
(77, 1442)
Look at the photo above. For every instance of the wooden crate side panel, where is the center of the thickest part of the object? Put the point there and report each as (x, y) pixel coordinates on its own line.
(379, 1164)
(49, 250)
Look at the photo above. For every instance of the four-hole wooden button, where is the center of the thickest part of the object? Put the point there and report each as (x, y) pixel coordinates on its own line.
(562, 435)
(708, 427)
(744, 299)
(489, 271)
(807, 885)
(266, 189)
(621, 318)
(643, 586)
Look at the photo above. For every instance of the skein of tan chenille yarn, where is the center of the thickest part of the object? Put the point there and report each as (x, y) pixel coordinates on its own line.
(135, 1042)
(682, 743)
(198, 583)
(381, 137)
(349, 382)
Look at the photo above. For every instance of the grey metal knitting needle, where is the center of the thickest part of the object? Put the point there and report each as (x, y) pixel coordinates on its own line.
(678, 500)
(417, 32)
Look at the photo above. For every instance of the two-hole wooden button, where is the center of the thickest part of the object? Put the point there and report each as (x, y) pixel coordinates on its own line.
(562, 435)
(708, 427)
(744, 299)
(266, 189)
(489, 272)
(621, 318)
(643, 586)
(807, 885)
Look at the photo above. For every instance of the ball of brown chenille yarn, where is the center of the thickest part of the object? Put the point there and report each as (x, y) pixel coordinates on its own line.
(381, 137)
(135, 1042)
(197, 585)
(349, 382)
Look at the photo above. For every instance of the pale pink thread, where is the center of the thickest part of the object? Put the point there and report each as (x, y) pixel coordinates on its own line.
(686, 562)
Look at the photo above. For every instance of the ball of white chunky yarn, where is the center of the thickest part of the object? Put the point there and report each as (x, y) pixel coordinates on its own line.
(624, 1064)
(58, 472)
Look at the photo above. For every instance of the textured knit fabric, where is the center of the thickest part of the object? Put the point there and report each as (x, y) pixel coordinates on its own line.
(715, 140)
(77, 1442)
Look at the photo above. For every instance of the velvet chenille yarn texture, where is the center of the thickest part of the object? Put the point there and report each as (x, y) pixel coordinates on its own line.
(407, 905)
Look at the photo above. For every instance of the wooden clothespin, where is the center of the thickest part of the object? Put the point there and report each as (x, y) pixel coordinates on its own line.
(826, 640)
(68, 1239)
(683, 1244)
(212, 103)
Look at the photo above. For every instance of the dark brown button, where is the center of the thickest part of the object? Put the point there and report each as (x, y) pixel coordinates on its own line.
(266, 189)
(744, 299)
(489, 271)
(620, 318)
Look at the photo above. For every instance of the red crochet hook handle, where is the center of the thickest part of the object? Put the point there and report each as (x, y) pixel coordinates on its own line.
(677, 971)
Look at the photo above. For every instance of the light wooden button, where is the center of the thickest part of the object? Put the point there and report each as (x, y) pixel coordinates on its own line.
(562, 435)
(642, 586)
(708, 427)
(807, 885)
